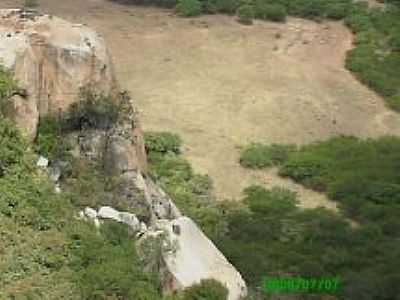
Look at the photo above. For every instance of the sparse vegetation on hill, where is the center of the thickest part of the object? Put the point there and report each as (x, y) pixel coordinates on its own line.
(257, 156)
(375, 59)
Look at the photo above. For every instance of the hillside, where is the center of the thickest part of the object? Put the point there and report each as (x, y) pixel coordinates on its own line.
(270, 150)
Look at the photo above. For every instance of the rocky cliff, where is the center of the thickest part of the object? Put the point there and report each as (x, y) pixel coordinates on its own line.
(53, 60)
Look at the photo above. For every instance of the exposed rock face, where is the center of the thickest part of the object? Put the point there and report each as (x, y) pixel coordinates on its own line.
(192, 257)
(52, 59)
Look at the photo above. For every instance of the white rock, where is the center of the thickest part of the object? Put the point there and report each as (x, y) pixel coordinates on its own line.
(130, 220)
(42, 162)
(57, 189)
(143, 227)
(81, 215)
(96, 223)
(194, 257)
(90, 213)
(108, 212)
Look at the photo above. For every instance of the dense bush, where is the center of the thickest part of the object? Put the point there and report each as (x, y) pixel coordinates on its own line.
(274, 238)
(7, 87)
(49, 141)
(162, 142)
(13, 147)
(260, 156)
(245, 14)
(207, 289)
(352, 171)
(189, 8)
(272, 12)
(227, 6)
(92, 111)
(30, 3)
(376, 60)
(159, 3)
(107, 264)
(363, 176)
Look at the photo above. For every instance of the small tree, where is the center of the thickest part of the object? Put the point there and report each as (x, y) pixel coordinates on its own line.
(207, 289)
(189, 8)
(30, 3)
(273, 12)
(245, 14)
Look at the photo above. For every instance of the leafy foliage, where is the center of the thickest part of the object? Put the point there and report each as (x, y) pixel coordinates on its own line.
(376, 60)
(92, 111)
(207, 289)
(269, 11)
(189, 8)
(162, 142)
(46, 252)
(13, 147)
(30, 3)
(49, 141)
(107, 265)
(7, 86)
(258, 156)
(245, 14)
(274, 238)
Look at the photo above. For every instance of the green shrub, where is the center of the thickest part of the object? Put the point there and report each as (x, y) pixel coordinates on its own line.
(245, 14)
(354, 172)
(207, 289)
(30, 3)
(13, 147)
(7, 87)
(273, 12)
(189, 8)
(275, 201)
(162, 142)
(228, 6)
(92, 111)
(337, 11)
(49, 141)
(107, 265)
(394, 102)
(258, 156)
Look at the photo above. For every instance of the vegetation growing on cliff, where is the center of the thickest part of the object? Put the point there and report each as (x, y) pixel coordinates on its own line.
(7, 87)
(49, 254)
(191, 192)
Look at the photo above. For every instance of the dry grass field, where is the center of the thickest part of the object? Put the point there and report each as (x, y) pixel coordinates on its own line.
(221, 85)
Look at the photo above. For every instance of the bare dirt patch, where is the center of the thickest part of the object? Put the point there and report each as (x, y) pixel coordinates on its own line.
(220, 84)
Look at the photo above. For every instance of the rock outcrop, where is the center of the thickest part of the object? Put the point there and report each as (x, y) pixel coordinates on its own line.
(193, 257)
(52, 60)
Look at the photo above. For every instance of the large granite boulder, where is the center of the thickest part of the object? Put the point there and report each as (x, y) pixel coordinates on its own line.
(189, 256)
(52, 60)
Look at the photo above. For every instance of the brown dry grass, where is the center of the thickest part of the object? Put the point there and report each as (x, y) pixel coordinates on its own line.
(221, 85)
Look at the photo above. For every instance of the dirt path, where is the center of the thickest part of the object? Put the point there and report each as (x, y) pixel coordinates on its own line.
(220, 84)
